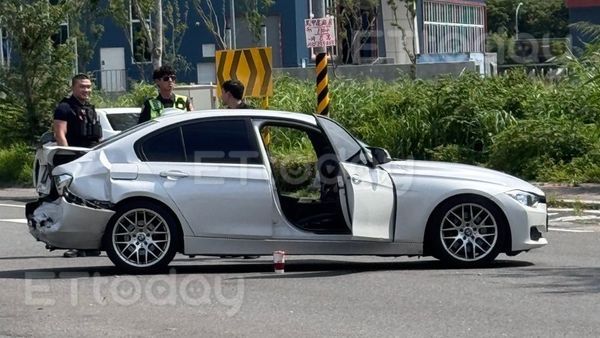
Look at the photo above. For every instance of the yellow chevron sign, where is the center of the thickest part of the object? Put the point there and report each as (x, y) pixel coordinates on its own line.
(250, 66)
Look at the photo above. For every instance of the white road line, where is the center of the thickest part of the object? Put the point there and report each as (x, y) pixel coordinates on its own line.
(12, 206)
(15, 220)
(569, 230)
(576, 218)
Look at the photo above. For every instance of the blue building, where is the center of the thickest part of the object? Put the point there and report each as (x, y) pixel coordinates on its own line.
(582, 11)
(117, 56)
(442, 31)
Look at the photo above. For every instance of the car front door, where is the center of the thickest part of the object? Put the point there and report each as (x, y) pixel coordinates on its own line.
(367, 189)
(213, 172)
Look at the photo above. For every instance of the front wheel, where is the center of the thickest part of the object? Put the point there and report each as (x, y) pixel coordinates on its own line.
(141, 237)
(466, 231)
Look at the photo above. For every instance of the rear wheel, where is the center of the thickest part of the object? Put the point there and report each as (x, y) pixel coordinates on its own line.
(142, 237)
(467, 231)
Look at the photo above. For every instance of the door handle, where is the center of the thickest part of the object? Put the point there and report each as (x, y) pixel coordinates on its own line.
(173, 174)
(356, 179)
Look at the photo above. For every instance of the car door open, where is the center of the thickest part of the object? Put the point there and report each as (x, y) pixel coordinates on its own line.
(369, 193)
(367, 189)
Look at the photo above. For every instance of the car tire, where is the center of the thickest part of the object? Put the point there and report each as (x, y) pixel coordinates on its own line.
(142, 237)
(466, 231)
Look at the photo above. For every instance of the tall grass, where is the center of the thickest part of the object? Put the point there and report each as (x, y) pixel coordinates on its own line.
(520, 124)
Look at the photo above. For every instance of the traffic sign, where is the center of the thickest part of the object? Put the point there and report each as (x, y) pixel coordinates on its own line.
(251, 66)
(320, 32)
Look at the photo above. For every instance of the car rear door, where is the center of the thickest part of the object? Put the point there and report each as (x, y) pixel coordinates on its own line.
(212, 171)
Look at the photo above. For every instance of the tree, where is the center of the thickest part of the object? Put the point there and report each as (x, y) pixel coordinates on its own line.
(356, 21)
(150, 34)
(175, 18)
(216, 21)
(538, 19)
(407, 39)
(38, 74)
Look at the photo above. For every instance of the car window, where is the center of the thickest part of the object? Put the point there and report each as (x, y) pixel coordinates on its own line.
(220, 141)
(346, 146)
(123, 121)
(165, 146)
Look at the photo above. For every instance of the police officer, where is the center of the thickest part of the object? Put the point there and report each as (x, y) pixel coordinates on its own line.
(232, 95)
(76, 124)
(164, 77)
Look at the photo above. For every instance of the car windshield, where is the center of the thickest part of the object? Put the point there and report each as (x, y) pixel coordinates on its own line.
(123, 121)
(123, 134)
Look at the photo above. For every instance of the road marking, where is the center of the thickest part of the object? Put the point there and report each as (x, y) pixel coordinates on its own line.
(569, 230)
(15, 220)
(12, 205)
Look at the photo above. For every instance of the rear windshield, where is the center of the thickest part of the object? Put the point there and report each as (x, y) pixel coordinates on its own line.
(119, 136)
(123, 121)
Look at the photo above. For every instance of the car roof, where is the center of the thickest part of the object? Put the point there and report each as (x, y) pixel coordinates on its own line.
(254, 113)
(121, 110)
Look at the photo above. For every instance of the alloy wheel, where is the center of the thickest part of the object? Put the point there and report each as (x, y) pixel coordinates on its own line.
(141, 237)
(469, 232)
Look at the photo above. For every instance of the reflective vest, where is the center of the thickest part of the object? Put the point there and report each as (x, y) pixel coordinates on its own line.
(156, 107)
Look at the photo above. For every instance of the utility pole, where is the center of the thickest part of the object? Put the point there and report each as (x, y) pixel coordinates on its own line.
(318, 8)
(233, 31)
(517, 20)
(1, 47)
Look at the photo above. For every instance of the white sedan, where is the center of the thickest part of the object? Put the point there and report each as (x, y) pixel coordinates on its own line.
(249, 182)
(115, 120)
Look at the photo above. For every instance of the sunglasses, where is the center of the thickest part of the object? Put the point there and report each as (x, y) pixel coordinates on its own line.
(169, 77)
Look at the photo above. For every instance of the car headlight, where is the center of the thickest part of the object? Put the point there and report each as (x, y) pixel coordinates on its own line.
(62, 182)
(525, 198)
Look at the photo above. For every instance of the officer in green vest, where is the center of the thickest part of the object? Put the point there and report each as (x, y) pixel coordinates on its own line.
(164, 77)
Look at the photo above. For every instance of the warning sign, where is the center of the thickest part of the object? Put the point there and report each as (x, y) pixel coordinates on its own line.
(320, 32)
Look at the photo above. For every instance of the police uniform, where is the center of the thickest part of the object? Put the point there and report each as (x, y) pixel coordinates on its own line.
(154, 107)
(83, 124)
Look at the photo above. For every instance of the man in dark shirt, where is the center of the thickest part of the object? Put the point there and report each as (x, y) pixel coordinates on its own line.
(232, 95)
(76, 122)
(164, 78)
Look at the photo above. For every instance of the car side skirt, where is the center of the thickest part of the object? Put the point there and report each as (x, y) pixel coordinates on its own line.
(229, 246)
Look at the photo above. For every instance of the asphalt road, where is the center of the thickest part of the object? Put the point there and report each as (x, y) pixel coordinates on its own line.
(550, 292)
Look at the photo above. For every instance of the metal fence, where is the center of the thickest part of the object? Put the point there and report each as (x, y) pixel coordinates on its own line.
(111, 80)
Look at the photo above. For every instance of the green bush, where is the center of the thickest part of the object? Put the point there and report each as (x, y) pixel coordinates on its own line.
(16, 165)
(528, 147)
(134, 98)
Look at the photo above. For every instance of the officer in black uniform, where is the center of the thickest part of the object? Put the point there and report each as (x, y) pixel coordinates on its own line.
(76, 124)
(164, 78)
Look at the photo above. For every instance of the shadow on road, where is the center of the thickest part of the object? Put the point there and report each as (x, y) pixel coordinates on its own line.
(558, 280)
(310, 268)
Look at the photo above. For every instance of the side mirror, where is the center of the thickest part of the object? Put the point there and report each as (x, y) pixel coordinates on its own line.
(380, 155)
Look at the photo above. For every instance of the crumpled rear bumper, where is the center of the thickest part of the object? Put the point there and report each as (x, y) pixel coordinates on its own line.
(64, 225)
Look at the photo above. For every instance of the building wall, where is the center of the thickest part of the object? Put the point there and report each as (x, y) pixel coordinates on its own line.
(442, 26)
(285, 34)
(586, 11)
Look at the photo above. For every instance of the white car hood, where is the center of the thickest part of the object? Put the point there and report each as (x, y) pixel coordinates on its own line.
(455, 171)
